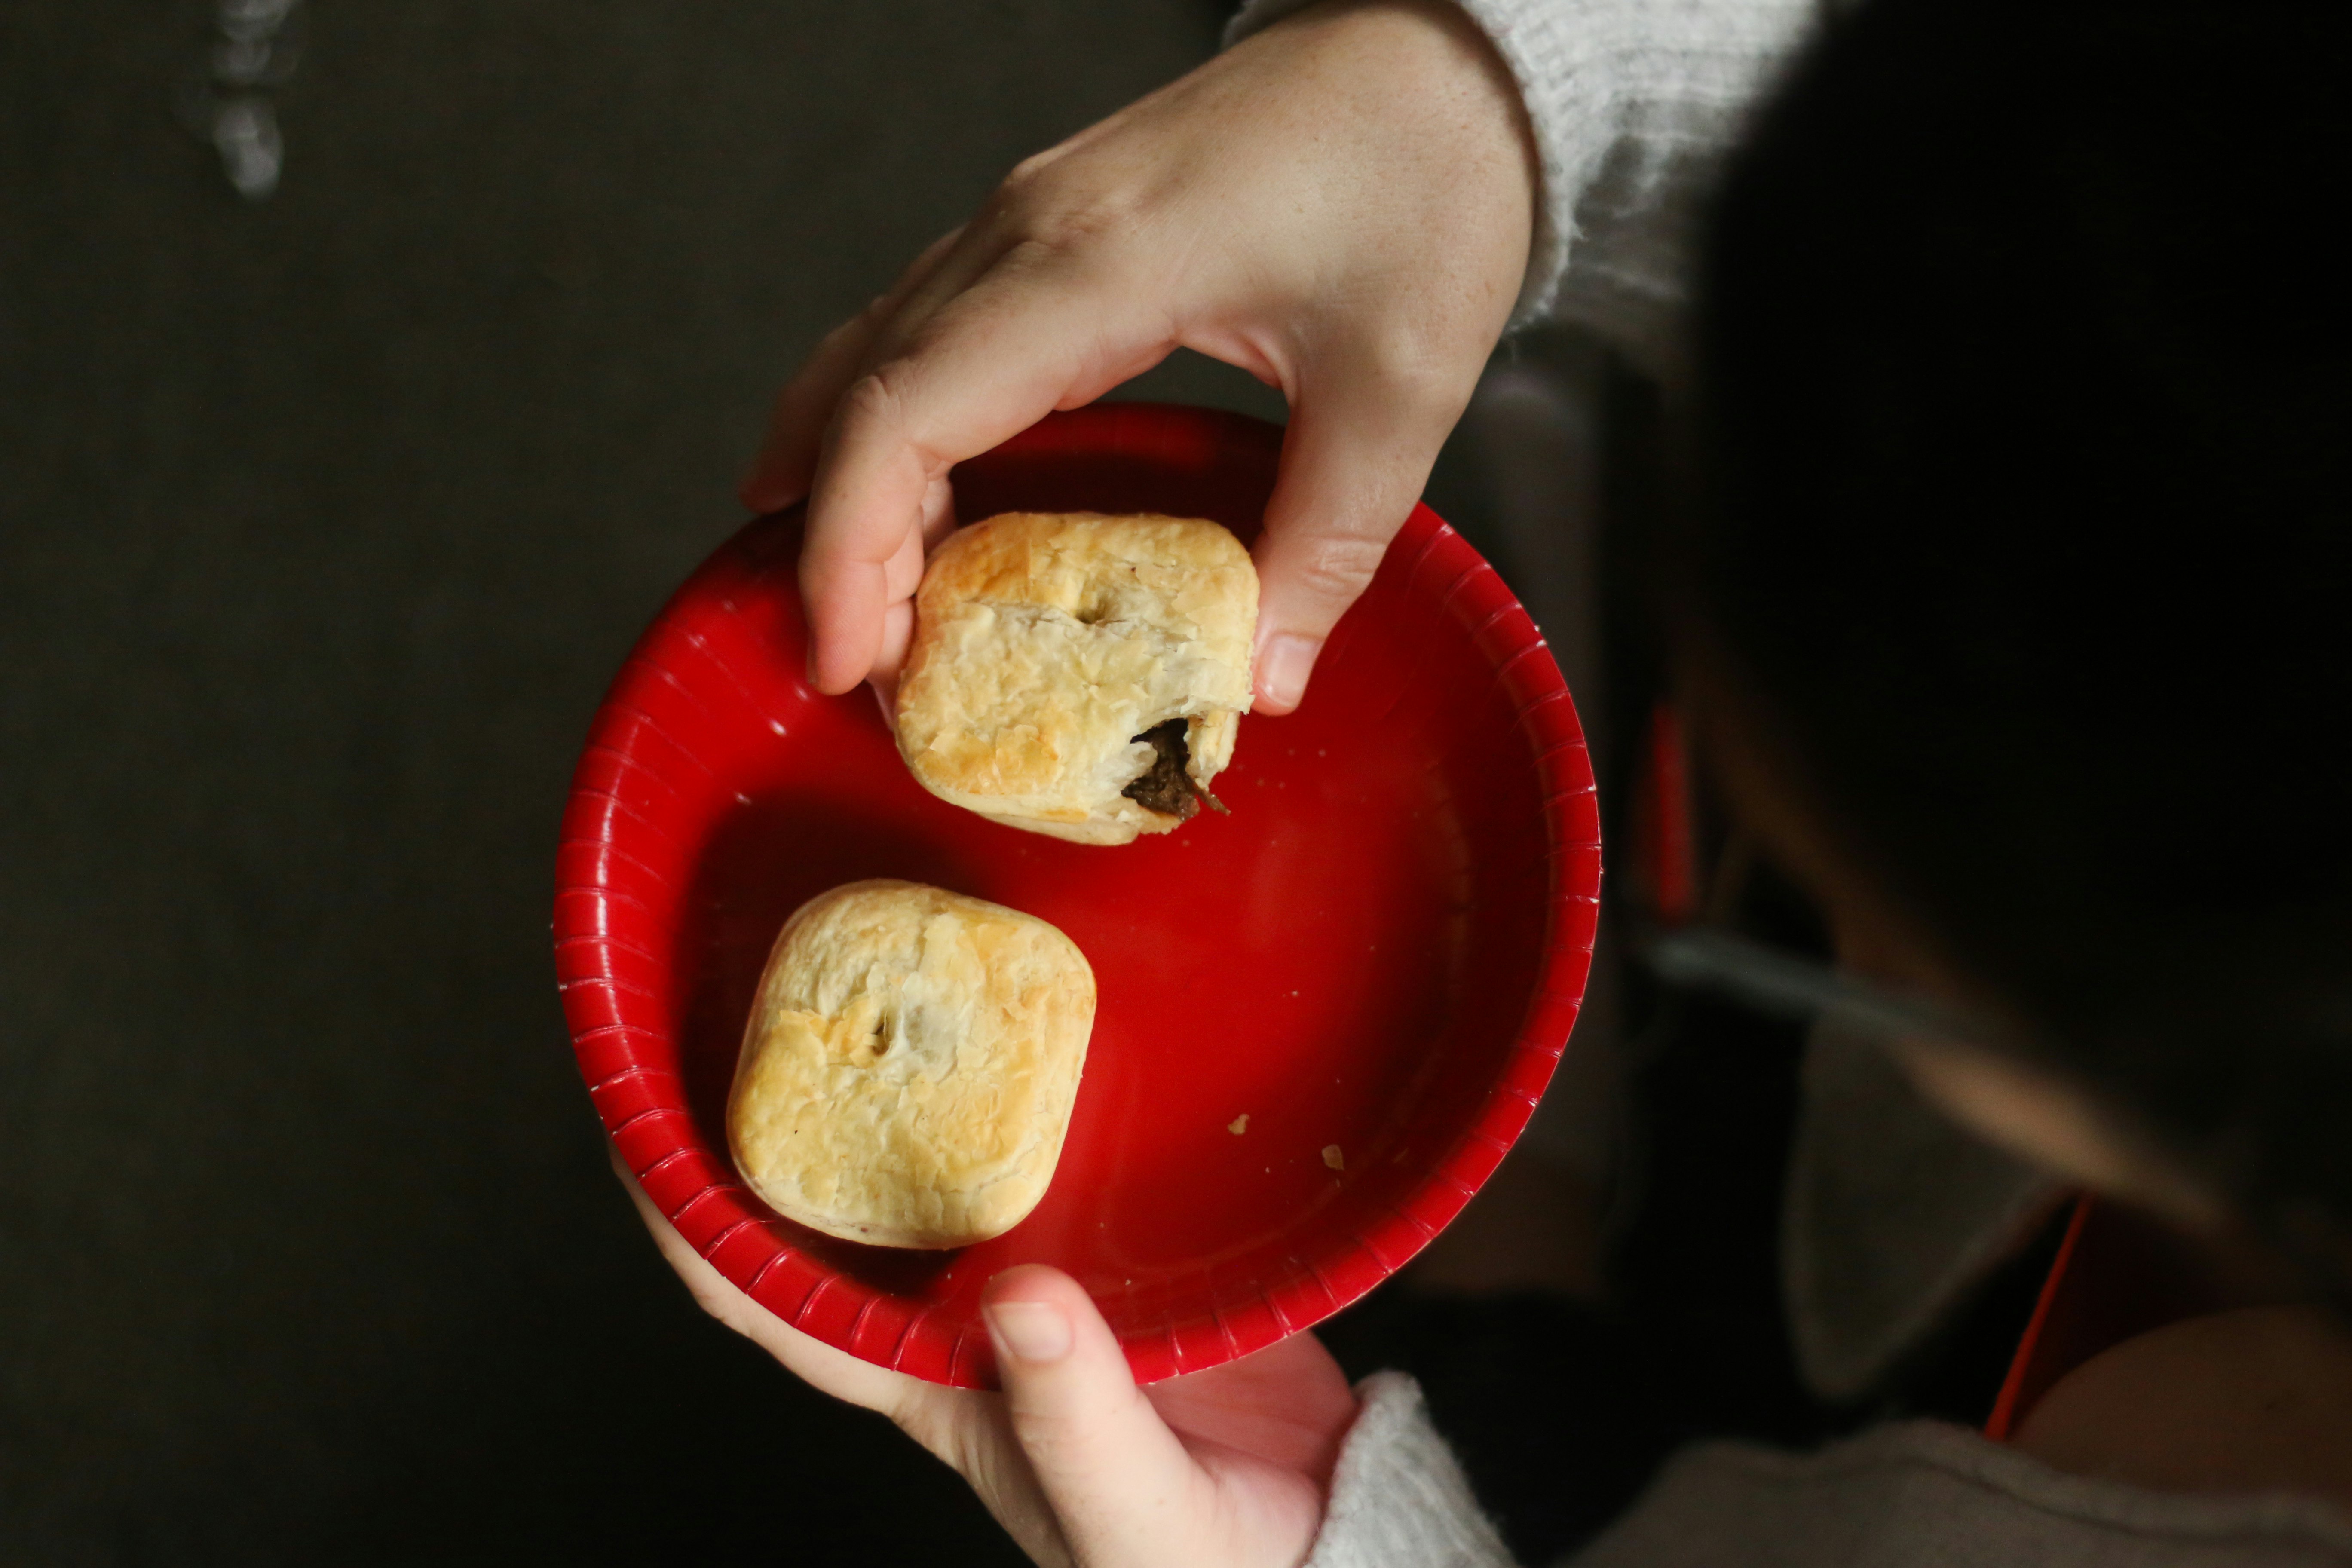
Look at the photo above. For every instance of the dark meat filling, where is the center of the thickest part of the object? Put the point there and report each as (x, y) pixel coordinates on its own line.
(1168, 786)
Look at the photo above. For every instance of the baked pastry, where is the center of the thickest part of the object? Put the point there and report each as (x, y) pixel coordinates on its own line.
(1079, 675)
(909, 1065)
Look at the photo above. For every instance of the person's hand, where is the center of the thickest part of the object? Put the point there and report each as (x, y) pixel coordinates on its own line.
(1340, 206)
(1228, 1466)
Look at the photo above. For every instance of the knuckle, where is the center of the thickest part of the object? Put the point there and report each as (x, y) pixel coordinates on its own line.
(901, 577)
(1336, 566)
(1029, 173)
(1079, 227)
(1044, 213)
(1014, 205)
(885, 412)
(1052, 1449)
(876, 398)
(922, 1420)
(1120, 228)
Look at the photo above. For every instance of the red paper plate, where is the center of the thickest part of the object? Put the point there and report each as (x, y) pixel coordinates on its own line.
(1375, 960)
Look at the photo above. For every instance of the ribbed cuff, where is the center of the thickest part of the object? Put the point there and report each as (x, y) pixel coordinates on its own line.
(1398, 1498)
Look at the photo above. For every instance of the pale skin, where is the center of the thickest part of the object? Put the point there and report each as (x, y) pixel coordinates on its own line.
(1341, 207)
(1083, 1468)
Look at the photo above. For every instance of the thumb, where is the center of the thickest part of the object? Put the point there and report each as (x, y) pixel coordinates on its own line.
(1120, 1482)
(1354, 459)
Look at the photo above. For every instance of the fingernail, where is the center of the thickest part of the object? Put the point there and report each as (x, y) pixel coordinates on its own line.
(1283, 666)
(1029, 1330)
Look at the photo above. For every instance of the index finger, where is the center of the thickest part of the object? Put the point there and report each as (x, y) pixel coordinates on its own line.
(795, 433)
(1038, 330)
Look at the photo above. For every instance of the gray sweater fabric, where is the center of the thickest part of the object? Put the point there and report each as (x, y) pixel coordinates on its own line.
(1914, 1494)
(1922, 1494)
(1633, 103)
(1397, 1495)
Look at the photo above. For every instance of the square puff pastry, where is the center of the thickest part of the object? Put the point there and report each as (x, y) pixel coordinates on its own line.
(909, 1065)
(1047, 646)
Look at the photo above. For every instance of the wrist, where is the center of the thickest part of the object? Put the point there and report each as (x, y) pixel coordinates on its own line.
(1432, 76)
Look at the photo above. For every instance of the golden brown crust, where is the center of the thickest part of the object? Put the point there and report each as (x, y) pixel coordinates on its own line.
(1045, 644)
(909, 1065)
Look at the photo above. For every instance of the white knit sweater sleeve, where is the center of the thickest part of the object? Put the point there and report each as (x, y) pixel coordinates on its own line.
(1633, 103)
(1397, 1498)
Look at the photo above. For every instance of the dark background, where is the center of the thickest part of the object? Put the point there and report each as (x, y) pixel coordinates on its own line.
(323, 522)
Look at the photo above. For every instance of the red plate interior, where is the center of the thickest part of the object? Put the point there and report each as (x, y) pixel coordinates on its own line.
(1379, 952)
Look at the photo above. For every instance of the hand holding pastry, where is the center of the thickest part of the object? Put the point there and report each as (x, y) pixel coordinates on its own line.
(1230, 1466)
(1340, 206)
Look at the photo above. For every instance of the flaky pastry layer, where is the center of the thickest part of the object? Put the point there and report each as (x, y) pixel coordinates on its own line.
(1046, 645)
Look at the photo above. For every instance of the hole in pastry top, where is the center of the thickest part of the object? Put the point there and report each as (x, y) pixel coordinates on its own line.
(909, 1065)
(860, 1032)
(1079, 674)
(1115, 600)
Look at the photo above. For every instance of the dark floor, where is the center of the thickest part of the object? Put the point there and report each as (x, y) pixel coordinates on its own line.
(322, 523)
